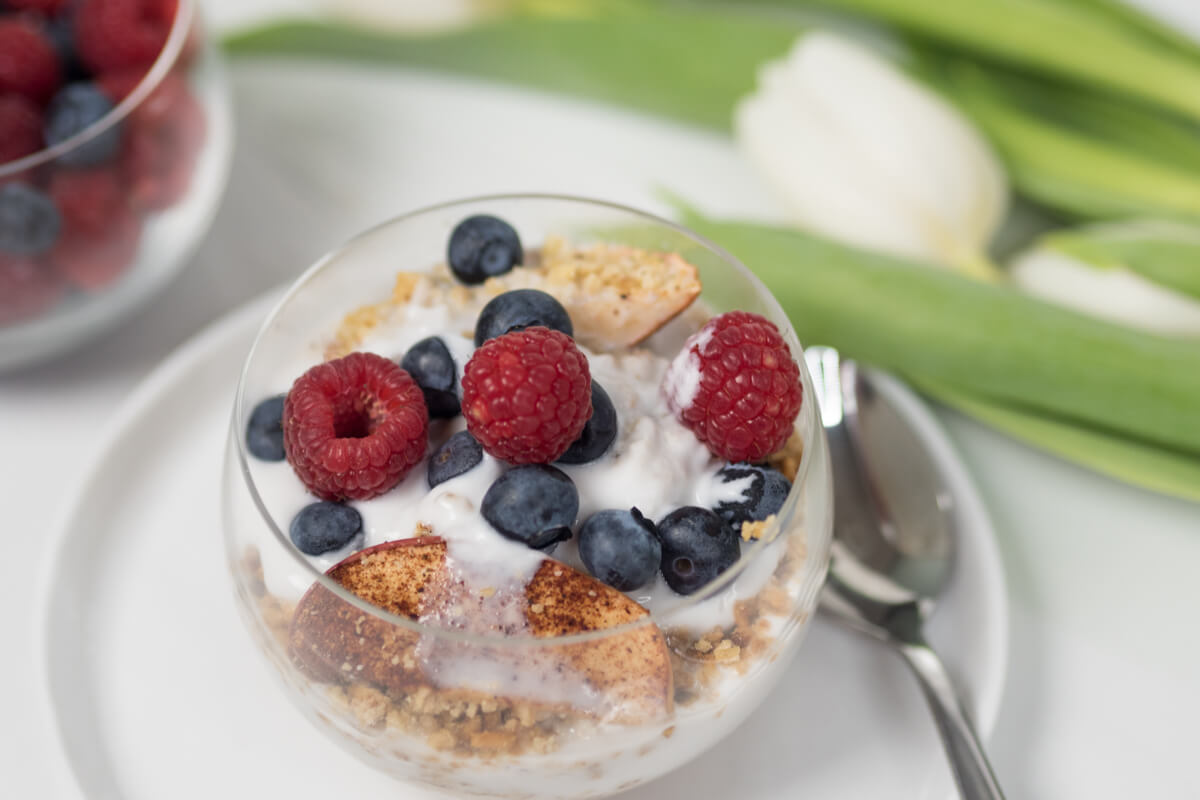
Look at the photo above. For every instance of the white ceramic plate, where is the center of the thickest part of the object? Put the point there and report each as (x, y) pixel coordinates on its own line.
(157, 690)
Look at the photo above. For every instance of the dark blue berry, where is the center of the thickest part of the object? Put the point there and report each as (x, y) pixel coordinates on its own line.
(518, 310)
(697, 546)
(598, 433)
(483, 247)
(324, 526)
(264, 431)
(76, 107)
(534, 503)
(763, 492)
(458, 454)
(61, 33)
(430, 364)
(620, 548)
(29, 221)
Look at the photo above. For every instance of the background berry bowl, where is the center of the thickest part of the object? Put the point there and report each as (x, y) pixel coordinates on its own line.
(115, 137)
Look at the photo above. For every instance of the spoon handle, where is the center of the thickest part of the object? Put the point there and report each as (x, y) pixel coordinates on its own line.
(972, 772)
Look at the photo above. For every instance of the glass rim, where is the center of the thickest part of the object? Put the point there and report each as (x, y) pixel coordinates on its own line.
(165, 61)
(807, 420)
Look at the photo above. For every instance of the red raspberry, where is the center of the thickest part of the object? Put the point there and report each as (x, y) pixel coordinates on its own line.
(20, 128)
(27, 288)
(115, 34)
(47, 8)
(94, 261)
(735, 385)
(28, 62)
(354, 427)
(88, 199)
(117, 85)
(526, 395)
(162, 138)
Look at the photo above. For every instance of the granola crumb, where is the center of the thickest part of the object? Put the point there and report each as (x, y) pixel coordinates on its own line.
(753, 530)
(405, 286)
(370, 706)
(727, 652)
(442, 740)
(787, 458)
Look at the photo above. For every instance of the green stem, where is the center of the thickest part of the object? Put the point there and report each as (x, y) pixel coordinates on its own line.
(1126, 460)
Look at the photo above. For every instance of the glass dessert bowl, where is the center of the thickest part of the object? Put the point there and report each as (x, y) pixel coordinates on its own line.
(114, 149)
(565, 607)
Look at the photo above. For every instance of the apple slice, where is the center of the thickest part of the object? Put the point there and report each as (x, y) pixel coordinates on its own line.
(617, 296)
(624, 677)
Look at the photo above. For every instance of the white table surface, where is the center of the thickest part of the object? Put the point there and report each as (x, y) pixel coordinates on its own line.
(1104, 678)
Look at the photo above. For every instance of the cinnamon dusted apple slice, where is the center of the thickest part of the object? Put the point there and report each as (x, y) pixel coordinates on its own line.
(616, 295)
(624, 676)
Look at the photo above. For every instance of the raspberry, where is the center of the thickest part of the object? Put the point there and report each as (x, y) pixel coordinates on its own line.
(115, 34)
(27, 288)
(88, 199)
(46, 8)
(20, 128)
(353, 427)
(526, 395)
(28, 62)
(163, 137)
(94, 261)
(735, 385)
(117, 85)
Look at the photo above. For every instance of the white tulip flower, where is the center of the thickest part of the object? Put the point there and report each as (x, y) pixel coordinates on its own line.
(1135, 273)
(862, 153)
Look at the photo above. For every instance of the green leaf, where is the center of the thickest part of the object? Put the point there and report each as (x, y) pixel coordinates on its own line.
(1102, 117)
(1148, 25)
(1074, 41)
(989, 341)
(1080, 156)
(688, 66)
(1126, 460)
(1166, 253)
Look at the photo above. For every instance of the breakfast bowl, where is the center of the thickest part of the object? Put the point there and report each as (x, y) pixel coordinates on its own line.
(559, 608)
(115, 139)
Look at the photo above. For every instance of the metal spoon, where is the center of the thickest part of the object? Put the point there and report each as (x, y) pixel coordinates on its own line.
(893, 547)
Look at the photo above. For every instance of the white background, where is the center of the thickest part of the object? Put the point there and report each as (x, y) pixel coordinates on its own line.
(1103, 693)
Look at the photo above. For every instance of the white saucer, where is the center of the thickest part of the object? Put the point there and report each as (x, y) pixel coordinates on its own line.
(157, 690)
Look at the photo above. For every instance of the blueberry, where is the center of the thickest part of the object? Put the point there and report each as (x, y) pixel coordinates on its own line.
(763, 491)
(518, 310)
(324, 526)
(697, 546)
(458, 454)
(598, 433)
(29, 220)
(264, 431)
(76, 107)
(432, 367)
(482, 247)
(534, 503)
(620, 548)
(61, 33)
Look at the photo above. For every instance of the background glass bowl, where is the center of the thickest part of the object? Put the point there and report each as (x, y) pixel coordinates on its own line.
(173, 176)
(552, 733)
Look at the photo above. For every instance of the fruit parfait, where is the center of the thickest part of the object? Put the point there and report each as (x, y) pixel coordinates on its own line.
(113, 143)
(526, 496)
